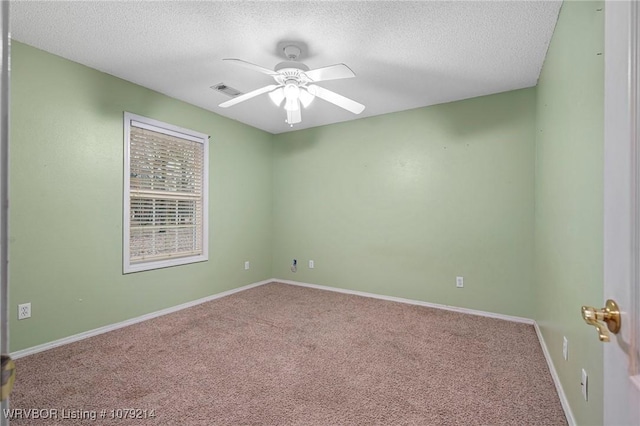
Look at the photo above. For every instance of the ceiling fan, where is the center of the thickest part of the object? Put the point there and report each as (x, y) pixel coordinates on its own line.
(295, 85)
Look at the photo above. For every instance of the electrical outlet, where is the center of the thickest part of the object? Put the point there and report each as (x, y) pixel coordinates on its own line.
(24, 311)
(459, 282)
(584, 384)
(565, 348)
(246, 265)
(311, 264)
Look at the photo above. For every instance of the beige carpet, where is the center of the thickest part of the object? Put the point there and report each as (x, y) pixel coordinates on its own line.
(285, 355)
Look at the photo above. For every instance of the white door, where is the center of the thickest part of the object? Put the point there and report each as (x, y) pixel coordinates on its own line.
(622, 211)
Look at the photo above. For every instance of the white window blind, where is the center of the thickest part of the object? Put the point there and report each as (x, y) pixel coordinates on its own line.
(166, 208)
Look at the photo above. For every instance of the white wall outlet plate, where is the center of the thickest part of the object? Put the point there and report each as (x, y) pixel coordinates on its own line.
(565, 348)
(584, 384)
(24, 311)
(311, 264)
(246, 265)
(459, 282)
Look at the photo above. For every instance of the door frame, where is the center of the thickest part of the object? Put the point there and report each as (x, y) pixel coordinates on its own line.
(5, 56)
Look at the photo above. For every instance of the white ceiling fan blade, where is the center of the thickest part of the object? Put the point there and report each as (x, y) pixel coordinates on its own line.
(306, 98)
(251, 66)
(249, 95)
(294, 116)
(332, 72)
(334, 98)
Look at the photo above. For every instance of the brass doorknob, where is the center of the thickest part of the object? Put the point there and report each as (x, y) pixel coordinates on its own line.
(610, 314)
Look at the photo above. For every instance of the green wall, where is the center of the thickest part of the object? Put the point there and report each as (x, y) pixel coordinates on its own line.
(569, 200)
(401, 204)
(66, 201)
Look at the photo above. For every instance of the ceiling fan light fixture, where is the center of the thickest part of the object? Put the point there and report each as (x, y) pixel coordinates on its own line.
(277, 96)
(306, 98)
(292, 105)
(292, 93)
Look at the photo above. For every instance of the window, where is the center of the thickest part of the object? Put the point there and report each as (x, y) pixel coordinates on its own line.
(165, 195)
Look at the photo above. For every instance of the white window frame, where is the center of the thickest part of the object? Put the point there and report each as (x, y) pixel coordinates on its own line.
(168, 129)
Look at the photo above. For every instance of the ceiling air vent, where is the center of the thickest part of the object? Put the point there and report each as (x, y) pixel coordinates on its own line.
(227, 90)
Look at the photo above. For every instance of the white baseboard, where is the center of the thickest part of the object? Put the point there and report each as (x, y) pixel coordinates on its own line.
(411, 302)
(556, 379)
(80, 336)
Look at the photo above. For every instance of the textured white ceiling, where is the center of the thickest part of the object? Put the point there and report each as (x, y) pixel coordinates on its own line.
(405, 54)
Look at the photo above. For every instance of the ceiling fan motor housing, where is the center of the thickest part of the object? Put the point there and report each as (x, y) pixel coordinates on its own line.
(290, 72)
(291, 64)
